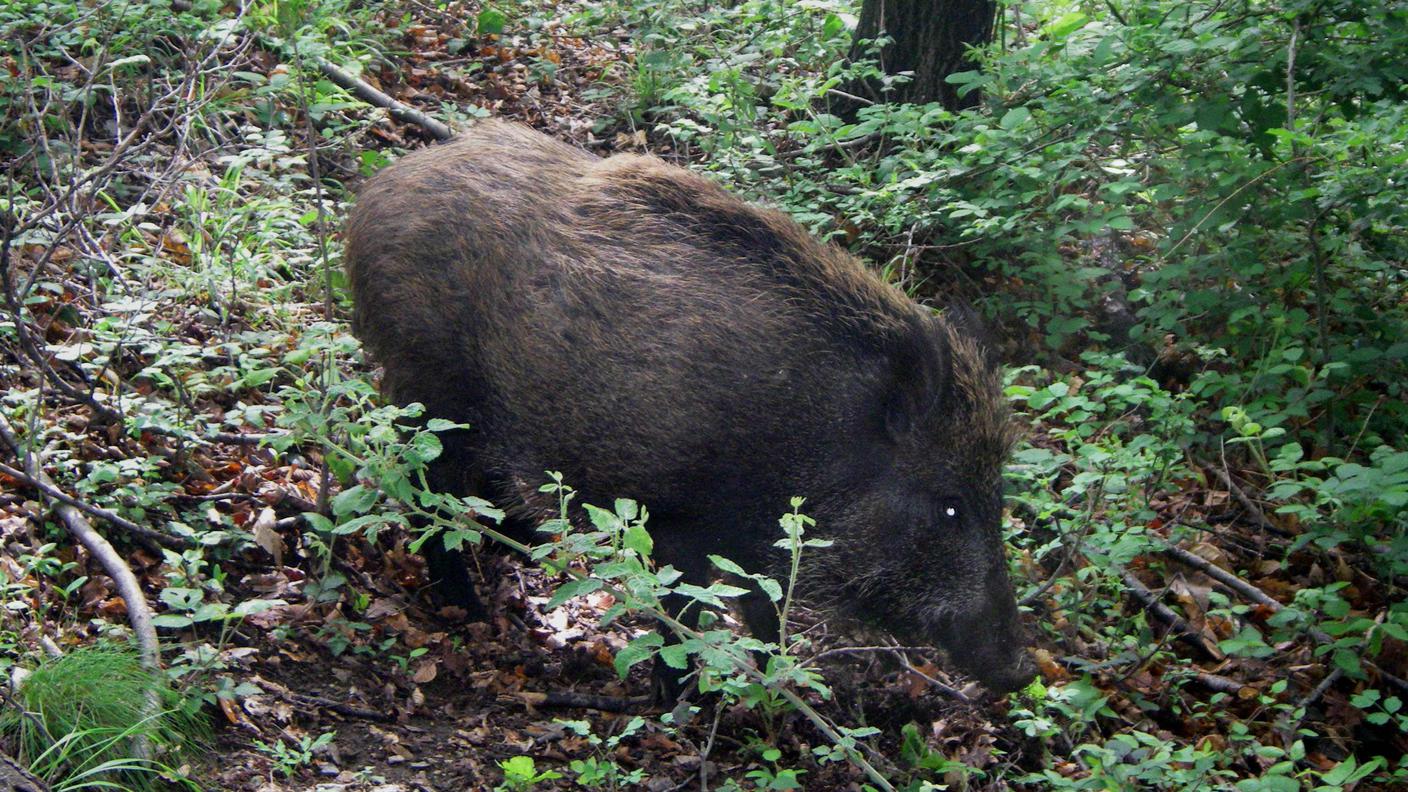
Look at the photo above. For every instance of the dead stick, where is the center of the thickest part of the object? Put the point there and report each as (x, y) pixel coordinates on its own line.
(1247, 502)
(367, 93)
(1164, 613)
(1220, 684)
(345, 710)
(1260, 597)
(142, 534)
(1222, 576)
(401, 112)
(139, 614)
(583, 701)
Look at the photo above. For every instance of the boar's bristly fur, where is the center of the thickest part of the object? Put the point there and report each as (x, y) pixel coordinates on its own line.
(651, 336)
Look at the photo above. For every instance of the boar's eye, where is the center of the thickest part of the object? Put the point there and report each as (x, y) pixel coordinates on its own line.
(950, 512)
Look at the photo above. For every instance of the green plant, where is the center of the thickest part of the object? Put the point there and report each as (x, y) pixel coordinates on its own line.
(289, 757)
(521, 773)
(78, 716)
(601, 771)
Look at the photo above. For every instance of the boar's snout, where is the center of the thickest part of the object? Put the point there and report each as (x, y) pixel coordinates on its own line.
(1000, 671)
(990, 644)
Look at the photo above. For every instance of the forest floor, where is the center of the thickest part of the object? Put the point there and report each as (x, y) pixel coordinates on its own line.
(419, 698)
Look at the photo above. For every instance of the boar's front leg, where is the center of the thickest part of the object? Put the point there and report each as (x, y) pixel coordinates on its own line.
(674, 545)
(451, 473)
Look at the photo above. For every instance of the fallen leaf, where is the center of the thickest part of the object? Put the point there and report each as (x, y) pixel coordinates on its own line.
(266, 535)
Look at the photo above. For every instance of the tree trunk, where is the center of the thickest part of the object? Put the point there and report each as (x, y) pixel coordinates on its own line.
(930, 39)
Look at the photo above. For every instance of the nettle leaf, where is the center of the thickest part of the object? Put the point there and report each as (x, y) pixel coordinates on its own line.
(771, 588)
(353, 500)
(491, 22)
(675, 656)
(626, 509)
(727, 565)
(602, 519)
(365, 522)
(710, 595)
(637, 651)
(638, 539)
(574, 588)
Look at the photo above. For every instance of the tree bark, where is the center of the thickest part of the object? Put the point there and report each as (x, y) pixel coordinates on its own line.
(931, 39)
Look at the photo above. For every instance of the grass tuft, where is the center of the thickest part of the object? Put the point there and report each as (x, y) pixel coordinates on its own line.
(76, 720)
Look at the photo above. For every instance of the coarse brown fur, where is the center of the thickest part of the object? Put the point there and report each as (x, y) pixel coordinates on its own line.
(651, 336)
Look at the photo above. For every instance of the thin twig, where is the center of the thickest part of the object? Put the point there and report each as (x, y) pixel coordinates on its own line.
(1222, 576)
(571, 700)
(139, 533)
(1164, 613)
(1071, 550)
(399, 111)
(1247, 503)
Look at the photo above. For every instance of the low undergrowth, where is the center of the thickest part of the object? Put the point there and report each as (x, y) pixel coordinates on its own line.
(1185, 225)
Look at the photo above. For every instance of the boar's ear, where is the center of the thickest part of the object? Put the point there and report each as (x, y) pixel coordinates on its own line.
(919, 375)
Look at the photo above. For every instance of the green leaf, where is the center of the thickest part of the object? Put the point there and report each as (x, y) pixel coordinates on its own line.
(1349, 662)
(491, 22)
(574, 588)
(626, 509)
(353, 500)
(638, 539)
(727, 565)
(642, 648)
(1015, 117)
(1066, 25)
(602, 519)
(675, 656)
(771, 588)
(1269, 783)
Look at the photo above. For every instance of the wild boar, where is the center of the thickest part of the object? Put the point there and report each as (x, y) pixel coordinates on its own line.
(651, 336)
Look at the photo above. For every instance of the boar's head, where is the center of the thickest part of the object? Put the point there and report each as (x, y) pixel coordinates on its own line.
(919, 547)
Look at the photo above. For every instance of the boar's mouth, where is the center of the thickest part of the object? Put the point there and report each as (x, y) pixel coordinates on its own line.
(993, 652)
(983, 645)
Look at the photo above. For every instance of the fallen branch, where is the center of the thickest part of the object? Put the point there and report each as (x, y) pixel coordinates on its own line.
(1247, 503)
(345, 710)
(399, 111)
(1319, 690)
(139, 614)
(863, 650)
(583, 701)
(228, 438)
(1164, 613)
(1071, 550)
(1222, 684)
(1260, 597)
(1222, 576)
(368, 93)
(142, 534)
(947, 690)
(14, 777)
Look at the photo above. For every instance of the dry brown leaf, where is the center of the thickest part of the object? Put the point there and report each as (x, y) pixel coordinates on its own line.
(266, 535)
(426, 672)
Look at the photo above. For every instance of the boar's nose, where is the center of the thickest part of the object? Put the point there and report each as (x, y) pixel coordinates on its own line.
(991, 645)
(1007, 677)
